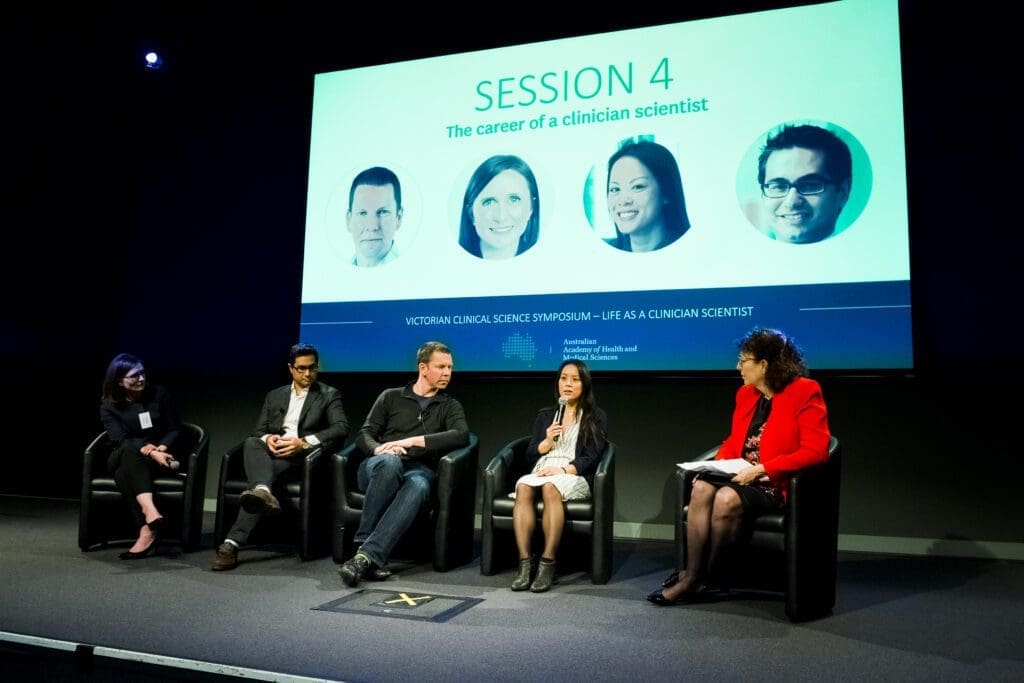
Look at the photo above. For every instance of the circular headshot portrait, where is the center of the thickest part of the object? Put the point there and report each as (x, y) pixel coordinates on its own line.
(635, 201)
(803, 182)
(499, 216)
(371, 216)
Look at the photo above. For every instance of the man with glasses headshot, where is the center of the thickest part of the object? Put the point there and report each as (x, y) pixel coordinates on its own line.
(805, 174)
(295, 418)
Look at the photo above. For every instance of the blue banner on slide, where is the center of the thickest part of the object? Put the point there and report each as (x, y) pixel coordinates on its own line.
(865, 325)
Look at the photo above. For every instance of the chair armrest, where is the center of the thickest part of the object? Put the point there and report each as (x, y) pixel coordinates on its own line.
(342, 481)
(231, 464)
(311, 464)
(604, 485)
(341, 463)
(498, 473)
(604, 477)
(197, 458)
(95, 457)
(813, 499)
(456, 505)
(456, 473)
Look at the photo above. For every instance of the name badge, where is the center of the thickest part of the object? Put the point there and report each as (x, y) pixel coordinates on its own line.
(145, 420)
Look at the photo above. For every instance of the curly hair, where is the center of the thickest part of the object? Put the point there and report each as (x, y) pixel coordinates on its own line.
(785, 361)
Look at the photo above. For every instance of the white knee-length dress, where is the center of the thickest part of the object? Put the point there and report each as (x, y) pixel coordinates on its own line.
(571, 486)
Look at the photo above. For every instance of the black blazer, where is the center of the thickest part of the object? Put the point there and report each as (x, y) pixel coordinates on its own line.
(124, 428)
(322, 415)
(588, 451)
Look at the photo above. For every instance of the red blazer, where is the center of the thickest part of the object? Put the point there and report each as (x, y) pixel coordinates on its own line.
(795, 436)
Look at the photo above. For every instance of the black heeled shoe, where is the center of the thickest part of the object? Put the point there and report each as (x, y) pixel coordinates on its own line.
(156, 528)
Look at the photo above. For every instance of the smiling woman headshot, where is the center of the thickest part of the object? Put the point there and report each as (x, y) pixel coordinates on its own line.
(645, 197)
(500, 210)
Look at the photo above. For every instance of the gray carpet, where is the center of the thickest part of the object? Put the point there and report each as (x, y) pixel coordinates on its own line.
(897, 618)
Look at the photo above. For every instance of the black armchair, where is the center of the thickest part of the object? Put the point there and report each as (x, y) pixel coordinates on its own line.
(444, 532)
(105, 514)
(303, 492)
(591, 519)
(793, 550)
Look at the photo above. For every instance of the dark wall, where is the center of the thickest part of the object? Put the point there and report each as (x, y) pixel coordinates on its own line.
(163, 213)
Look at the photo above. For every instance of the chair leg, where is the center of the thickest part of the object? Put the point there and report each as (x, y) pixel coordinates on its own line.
(487, 567)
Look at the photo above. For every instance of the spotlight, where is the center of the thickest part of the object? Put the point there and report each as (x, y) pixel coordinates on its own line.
(154, 60)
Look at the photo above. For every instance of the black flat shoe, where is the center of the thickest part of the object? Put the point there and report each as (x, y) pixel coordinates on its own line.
(658, 598)
(157, 527)
(150, 549)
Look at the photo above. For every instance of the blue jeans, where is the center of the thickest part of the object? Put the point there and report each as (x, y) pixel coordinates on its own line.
(395, 490)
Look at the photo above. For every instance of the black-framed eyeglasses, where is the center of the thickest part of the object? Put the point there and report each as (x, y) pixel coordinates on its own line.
(138, 374)
(745, 359)
(305, 368)
(776, 188)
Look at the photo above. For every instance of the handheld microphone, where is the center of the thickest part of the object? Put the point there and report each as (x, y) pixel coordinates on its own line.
(560, 413)
(173, 464)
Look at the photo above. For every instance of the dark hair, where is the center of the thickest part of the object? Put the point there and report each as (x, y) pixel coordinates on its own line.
(377, 176)
(485, 172)
(589, 429)
(785, 361)
(302, 349)
(662, 165)
(838, 164)
(113, 387)
(424, 353)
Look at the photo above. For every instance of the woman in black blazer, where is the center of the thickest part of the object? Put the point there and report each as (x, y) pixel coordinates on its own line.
(144, 425)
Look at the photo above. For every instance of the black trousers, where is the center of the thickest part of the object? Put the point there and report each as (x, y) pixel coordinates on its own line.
(260, 468)
(134, 474)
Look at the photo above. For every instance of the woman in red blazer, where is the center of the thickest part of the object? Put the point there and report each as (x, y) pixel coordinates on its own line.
(779, 426)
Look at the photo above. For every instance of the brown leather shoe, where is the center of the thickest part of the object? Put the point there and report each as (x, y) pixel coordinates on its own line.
(259, 501)
(226, 557)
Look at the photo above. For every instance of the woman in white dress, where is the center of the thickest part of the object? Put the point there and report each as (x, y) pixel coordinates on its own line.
(565, 448)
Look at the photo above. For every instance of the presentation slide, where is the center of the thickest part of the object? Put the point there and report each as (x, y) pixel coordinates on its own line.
(638, 199)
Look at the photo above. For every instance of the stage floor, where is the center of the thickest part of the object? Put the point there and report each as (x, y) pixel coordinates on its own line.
(897, 618)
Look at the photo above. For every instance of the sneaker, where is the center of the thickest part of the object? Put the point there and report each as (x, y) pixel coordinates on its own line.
(354, 568)
(226, 557)
(259, 501)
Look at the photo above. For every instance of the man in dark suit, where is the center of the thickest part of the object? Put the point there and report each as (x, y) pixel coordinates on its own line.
(295, 418)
